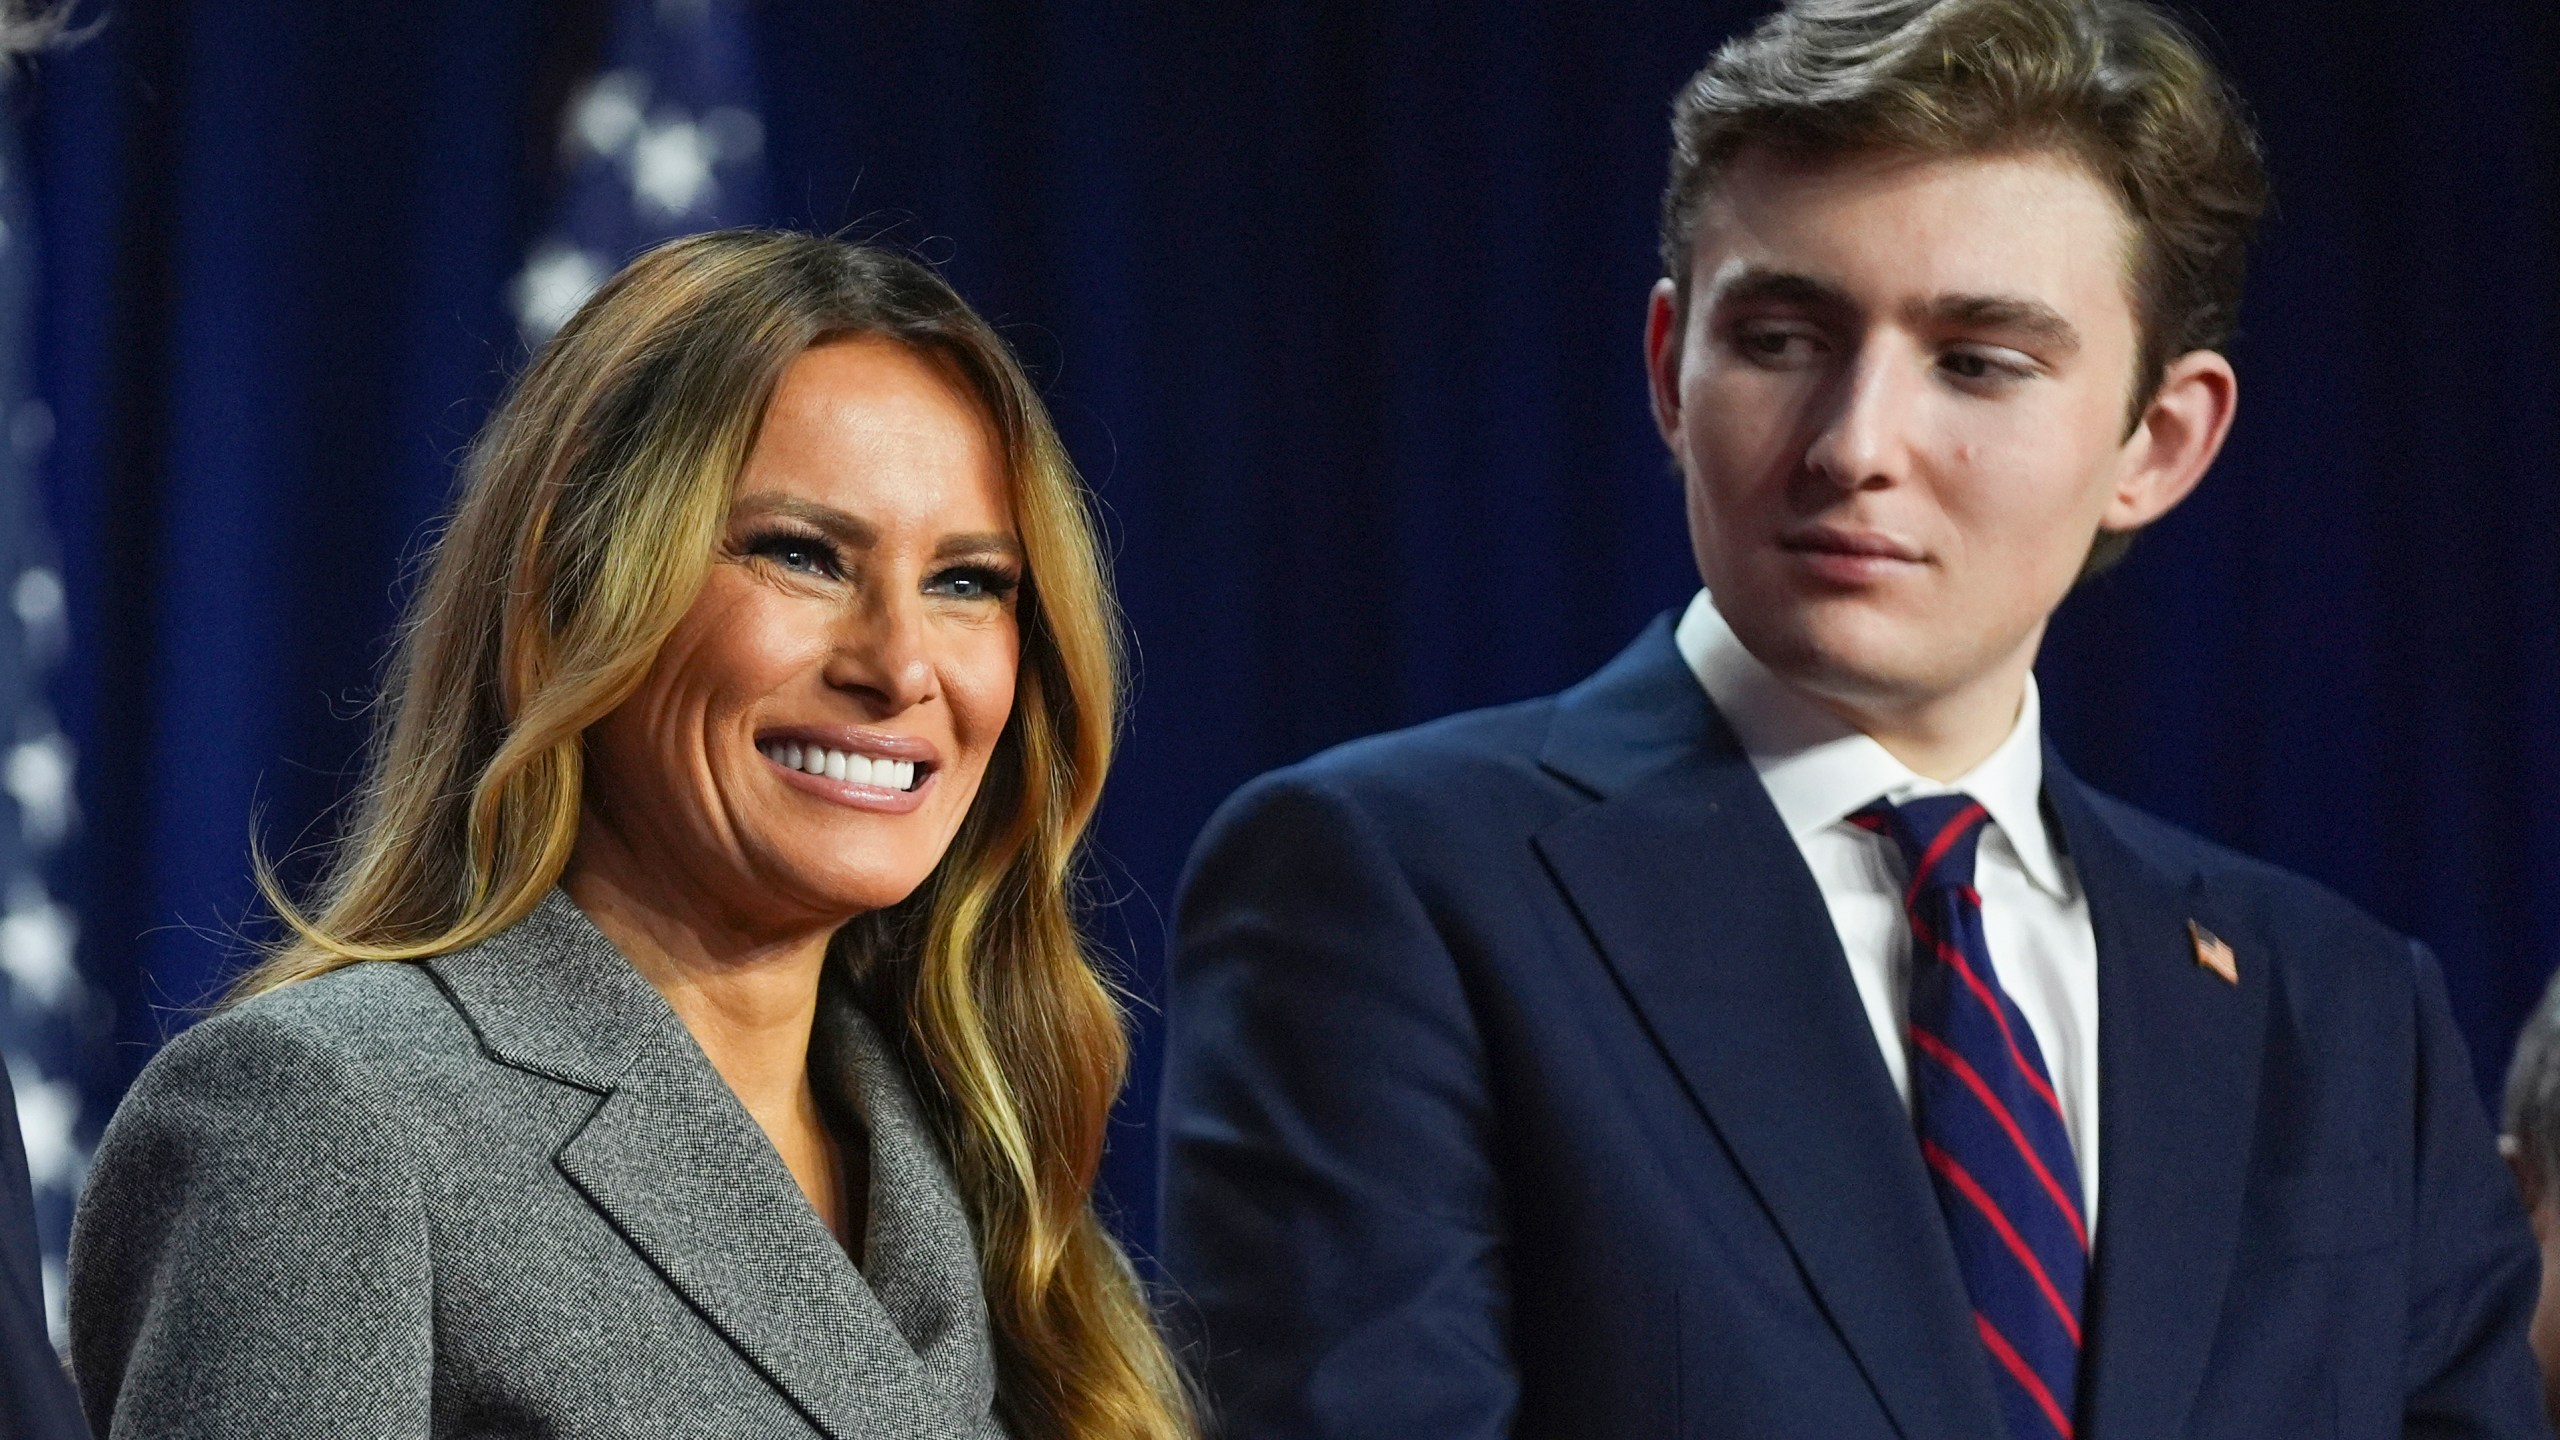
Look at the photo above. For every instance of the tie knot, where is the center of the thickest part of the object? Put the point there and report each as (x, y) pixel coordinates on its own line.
(1936, 835)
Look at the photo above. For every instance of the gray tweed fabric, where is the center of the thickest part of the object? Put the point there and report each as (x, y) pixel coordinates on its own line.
(503, 1193)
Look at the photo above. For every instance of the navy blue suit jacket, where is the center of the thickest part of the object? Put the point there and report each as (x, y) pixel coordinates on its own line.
(1518, 1086)
(36, 1402)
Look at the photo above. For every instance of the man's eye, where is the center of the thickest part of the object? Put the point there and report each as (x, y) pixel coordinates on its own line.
(1976, 366)
(1776, 346)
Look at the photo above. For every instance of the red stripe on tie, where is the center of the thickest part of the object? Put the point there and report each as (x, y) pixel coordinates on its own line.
(2016, 1365)
(2000, 1017)
(1938, 849)
(1954, 1064)
(1955, 1174)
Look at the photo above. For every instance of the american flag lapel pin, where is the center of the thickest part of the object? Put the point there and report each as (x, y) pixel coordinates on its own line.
(2213, 953)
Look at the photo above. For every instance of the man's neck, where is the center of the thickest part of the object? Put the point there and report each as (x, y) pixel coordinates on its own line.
(1942, 735)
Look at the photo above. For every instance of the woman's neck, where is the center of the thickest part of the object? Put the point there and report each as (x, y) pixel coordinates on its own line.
(750, 999)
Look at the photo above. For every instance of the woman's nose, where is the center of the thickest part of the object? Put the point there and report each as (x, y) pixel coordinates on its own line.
(881, 653)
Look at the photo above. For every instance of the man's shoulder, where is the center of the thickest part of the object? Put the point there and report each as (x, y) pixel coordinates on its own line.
(2298, 914)
(1474, 769)
(1499, 772)
(1473, 745)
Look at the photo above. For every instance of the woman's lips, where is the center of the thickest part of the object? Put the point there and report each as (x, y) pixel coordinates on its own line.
(867, 770)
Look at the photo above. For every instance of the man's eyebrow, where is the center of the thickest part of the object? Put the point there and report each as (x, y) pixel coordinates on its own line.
(1758, 285)
(2031, 320)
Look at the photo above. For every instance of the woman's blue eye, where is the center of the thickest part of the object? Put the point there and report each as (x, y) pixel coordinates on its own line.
(797, 553)
(972, 583)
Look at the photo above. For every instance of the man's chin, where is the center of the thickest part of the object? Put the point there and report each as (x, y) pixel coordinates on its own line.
(1840, 652)
(1858, 685)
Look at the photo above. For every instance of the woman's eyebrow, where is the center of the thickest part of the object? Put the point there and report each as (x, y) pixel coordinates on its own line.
(834, 523)
(997, 543)
(857, 533)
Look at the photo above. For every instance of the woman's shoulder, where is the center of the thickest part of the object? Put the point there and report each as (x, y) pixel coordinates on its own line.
(258, 1203)
(371, 1028)
(258, 1123)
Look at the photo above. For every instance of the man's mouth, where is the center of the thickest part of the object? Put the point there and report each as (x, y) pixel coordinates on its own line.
(1853, 544)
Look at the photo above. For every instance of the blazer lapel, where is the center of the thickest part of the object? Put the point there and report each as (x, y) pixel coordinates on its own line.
(680, 1170)
(920, 1254)
(2179, 1051)
(1700, 904)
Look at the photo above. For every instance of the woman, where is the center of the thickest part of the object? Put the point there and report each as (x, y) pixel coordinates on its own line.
(692, 1036)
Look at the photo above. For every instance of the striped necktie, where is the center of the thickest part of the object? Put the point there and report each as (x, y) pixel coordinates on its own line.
(1990, 1124)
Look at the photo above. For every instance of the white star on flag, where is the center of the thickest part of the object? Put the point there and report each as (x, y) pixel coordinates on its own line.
(671, 168)
(663, 142)
(553, 284)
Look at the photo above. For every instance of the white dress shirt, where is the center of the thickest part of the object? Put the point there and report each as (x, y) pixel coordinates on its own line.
(1819, 770)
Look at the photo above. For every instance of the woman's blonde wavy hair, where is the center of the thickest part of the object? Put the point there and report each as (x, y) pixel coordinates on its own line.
(590, 509)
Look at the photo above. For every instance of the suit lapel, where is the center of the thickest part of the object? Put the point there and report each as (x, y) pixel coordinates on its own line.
(679, 1169)
(1700, 904)
(2179, 1052)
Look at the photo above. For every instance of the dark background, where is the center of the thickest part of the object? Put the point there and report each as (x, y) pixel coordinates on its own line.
(1339, 306)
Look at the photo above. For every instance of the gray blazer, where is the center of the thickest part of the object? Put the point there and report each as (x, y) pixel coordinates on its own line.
(503, 1193)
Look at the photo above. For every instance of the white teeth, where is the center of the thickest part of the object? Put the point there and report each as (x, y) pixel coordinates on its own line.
(842, 765)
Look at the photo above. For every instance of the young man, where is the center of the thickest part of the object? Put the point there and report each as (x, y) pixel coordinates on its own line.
(1768, 1037)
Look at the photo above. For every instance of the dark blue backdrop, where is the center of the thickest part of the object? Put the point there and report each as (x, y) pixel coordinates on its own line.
(1339, 305)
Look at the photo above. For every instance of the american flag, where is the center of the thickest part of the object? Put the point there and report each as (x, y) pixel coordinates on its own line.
(53, 1029)
(665, 140)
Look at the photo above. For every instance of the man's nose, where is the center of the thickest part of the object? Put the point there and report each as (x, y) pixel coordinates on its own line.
(1861, 436)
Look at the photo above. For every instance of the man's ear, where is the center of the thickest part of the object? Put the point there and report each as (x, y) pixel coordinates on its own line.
(2174, 442)
(1662, 341)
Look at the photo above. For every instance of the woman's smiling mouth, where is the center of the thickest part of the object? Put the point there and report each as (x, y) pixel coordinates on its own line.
(864, 769)
(852, 767)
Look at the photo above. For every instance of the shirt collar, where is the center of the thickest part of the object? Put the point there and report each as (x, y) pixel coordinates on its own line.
(1818, 769)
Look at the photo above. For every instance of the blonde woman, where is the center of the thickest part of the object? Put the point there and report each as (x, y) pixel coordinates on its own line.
(692, 1036)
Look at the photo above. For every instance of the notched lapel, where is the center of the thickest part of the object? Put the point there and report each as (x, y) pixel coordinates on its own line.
(920, 1258)
(680, 1170)
(1698, 900)
(677, 1166)
(2179, 1056)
